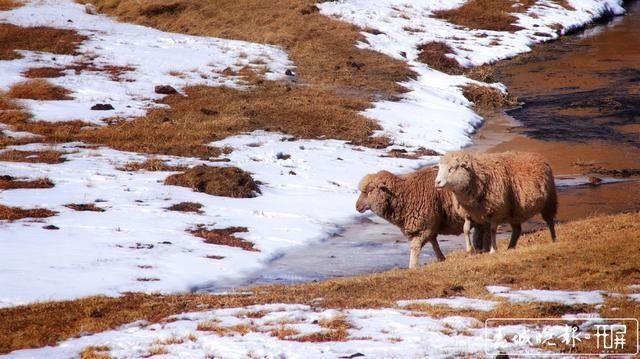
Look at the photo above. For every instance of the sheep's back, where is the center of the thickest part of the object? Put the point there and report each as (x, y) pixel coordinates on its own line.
(531, 181)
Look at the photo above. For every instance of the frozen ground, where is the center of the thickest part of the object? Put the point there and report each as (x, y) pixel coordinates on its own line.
(136, 244)
(252, 332)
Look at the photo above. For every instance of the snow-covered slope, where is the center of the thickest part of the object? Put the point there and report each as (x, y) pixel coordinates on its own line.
(149, 57)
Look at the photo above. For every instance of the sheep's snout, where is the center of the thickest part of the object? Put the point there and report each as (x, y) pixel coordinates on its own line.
(441, 177)
(361, 206)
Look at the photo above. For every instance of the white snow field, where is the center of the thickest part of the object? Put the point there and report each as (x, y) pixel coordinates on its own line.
(136, 244)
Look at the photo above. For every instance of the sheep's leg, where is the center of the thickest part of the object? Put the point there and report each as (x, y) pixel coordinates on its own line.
(551, 225)
(494, 230)
(478, 237)
(416, 247)
(516, 229)
(467, 235)
(486, 237)
(436, 248)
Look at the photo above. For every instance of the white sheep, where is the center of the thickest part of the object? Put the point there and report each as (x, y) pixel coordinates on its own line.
(508, 187)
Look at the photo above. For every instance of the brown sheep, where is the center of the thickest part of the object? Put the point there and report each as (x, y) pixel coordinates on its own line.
(508, 187)
(412, 203)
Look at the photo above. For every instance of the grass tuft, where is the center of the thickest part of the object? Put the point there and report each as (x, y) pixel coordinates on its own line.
(186, 207)
(15, 213)
(39, 90)
(9, 182)
(224, 237)
(43, 72)
(435, 53)
(84, 207)
(487, 98)
(493, 15)
(152, 164)
(217, 181)
(49, 157)
(45, 39)
(95, 352)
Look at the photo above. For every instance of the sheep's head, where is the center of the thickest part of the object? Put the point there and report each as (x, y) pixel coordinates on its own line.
(454, 171)
(376, 192)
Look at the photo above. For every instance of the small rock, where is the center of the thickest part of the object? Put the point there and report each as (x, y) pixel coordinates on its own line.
(102, 107)
(289, 73)
(165, 90)
(282, 156)
(403, 54)
(51, 227)
(292, 173)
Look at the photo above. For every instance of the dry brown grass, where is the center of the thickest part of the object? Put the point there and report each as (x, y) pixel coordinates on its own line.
(486, 14)
(39, 90)
(283, 332)
(49, 157)
(214, 327)
(95, 352)
(597, 253)
(39, 38)
(43, 72)
(434, 54)
(9, 182)
(217, 181)
(487, 98)
(152, 164)
(186, 207)
(14, 213)
(334, 81)
(156, 350)
(8, 5)
(7, 103)
(224, 237)
(84, 207)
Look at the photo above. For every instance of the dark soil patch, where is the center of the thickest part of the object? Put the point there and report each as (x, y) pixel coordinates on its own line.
(84, 207)
(217, 181)
(186, 207)
(43, 72)
(224, 237)
(9, 182)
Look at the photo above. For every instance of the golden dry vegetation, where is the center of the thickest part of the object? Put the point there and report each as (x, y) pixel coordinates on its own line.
(601, 253)
(49, 157)
(46, 39)
(334, 80)
(15, 213)
(39, 90)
